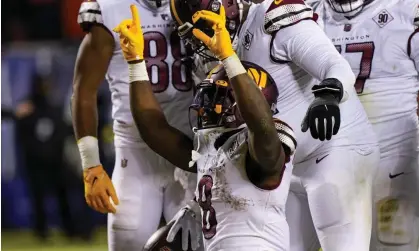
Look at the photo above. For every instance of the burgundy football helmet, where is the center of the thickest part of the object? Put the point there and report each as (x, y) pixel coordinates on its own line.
(183, 10)
(349, 8)
(214, 100)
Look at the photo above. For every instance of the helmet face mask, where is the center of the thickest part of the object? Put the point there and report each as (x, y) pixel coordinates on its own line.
(214, 101)
(349, 8)
(183, 10)
(214, 104)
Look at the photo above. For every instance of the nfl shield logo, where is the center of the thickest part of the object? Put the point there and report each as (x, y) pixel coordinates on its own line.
(347, 27)
(124, 163)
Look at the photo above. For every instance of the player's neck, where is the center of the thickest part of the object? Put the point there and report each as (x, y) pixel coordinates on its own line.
(246, 8)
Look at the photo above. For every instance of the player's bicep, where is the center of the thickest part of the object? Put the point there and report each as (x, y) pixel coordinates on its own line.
(284, 136)
(276, 152)
(93, 58)
(283, 15)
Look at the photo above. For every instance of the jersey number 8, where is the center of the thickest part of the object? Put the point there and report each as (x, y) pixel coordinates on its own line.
(158, 62)
(209, 220)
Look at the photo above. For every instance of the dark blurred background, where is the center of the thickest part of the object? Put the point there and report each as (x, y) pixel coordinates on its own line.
(43, 205)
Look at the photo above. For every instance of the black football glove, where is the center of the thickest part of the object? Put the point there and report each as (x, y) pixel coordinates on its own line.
(323, 115)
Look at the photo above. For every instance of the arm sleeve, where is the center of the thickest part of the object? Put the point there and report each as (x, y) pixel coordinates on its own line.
(306, 45)
(90, 14)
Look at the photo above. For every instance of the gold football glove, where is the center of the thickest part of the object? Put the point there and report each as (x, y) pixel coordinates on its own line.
(97, 190)
(131, 36)
(220, 43)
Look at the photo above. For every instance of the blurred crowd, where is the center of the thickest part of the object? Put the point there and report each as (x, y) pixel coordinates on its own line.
(24, 20)
(41, 172)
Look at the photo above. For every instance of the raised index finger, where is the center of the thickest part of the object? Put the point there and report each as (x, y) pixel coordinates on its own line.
(135, 16)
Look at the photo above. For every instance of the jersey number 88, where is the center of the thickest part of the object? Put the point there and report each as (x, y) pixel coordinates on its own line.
(158, 62)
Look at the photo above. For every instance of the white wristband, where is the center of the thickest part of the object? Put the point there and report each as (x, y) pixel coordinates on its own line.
(233, 66)
(138, 72)
(89, 151)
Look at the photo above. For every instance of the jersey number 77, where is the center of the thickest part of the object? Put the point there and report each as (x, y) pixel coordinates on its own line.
(367, 49)
(181, 76)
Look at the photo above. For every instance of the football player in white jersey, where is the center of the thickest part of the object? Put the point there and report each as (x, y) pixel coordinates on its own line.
(332, 180)
(380, 40)
(143, 180)
(240, 149)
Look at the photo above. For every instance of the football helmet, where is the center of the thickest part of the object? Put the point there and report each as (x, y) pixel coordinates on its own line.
(214, 100)
(183, 10)
(156, 3)
(349, 8)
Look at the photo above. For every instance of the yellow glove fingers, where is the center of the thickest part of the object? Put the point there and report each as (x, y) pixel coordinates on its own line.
(126, 22)
(104, 200)
(94, 206)
(101, 207)
(223, 14)
(88, 199)
(112, 193)
(122, 28)
(208, 16)
(127, 33)
(135, 16)
(202, 36)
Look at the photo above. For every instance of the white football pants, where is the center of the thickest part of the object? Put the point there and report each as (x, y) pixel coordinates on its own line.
(396, 199)
(330, 200)
(146, 188)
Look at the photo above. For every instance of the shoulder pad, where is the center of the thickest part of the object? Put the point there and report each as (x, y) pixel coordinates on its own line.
(416, 20)
(89, 14)
(284, 13)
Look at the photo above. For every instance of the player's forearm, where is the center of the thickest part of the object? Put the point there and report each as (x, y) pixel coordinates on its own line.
(84, 113)
(265, 146)
(156, 132)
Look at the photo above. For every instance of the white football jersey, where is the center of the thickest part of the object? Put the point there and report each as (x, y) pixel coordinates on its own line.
(236, 213)
(382, 46)
(165, 58)
(267, 39)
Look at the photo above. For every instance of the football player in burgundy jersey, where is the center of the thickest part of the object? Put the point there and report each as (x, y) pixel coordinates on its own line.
(239, 149)
(316, 92)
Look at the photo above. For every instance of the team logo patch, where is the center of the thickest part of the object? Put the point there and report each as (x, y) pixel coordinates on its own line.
(165, 17)
(260, 77)
(383, 18)
(347, 27)
(124, 163)
(247, 42)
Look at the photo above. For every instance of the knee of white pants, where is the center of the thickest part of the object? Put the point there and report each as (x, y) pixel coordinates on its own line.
(302, 233)
(140, 195)
(128, 240)
(395, 222)
(339, 195)
(395, 201)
